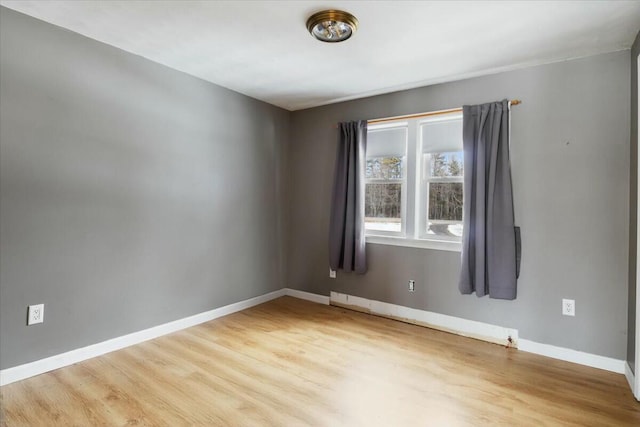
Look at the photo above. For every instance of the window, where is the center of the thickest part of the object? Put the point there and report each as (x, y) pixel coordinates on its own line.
(385, 180)
(442, 174)
(414, 182)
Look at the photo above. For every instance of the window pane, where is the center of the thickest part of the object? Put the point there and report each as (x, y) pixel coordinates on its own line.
(446, 164)
(442, 228)
(445, 209)
(384, 168)
(383, 207)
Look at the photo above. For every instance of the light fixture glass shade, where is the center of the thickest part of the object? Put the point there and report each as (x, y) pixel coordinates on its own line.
(332, 25)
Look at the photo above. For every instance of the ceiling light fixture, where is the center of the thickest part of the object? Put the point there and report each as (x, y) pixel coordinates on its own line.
(332, 26)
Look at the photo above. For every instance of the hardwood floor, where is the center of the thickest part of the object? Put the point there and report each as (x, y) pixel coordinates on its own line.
(291, 362)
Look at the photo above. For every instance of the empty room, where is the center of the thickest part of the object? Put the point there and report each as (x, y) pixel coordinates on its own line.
(309, 213)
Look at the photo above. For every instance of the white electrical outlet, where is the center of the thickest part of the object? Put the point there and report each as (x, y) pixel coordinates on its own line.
(412, 285)
(569, 307)
(332, 274)
(36, 314)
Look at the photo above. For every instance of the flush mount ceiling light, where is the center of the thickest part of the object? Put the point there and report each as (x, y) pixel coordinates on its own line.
(332, 26)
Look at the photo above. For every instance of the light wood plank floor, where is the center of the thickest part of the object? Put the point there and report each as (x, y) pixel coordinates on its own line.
(291, 362)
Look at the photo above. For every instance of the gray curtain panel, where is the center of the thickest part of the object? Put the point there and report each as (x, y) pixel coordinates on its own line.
(489, 238)
(346, 229)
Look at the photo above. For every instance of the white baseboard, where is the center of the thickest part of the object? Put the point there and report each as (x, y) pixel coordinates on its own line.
(631, 379)
(575, 356)
(17, 373)
(469, 328)
(455, 325)
(477, 330)
(320, 299)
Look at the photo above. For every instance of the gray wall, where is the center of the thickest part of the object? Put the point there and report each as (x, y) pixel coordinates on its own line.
(633, 206)
(570, 159)
(131, 194)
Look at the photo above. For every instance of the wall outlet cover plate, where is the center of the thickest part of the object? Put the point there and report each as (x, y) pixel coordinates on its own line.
(35, 314)
(568, 307)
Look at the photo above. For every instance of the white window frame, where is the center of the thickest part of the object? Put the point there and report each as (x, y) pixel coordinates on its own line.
(415, 193)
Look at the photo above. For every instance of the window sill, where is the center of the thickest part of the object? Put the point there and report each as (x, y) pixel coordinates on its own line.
(441, 245)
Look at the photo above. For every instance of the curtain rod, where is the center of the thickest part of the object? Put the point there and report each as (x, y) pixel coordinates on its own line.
(432, 113)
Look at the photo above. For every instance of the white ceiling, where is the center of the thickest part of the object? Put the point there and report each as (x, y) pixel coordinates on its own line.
(262, 48)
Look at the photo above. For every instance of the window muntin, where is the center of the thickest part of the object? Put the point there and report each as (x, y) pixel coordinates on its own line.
(385, 180)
